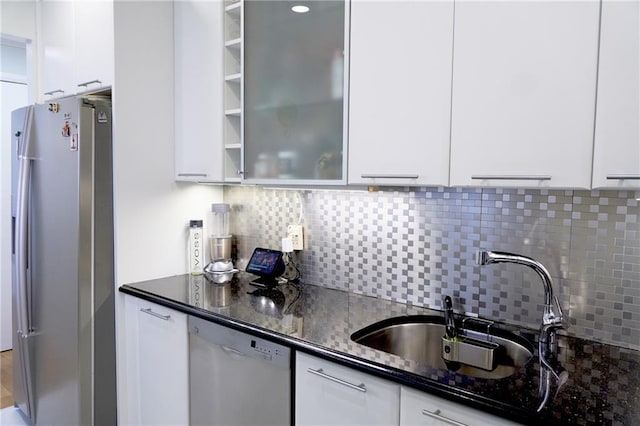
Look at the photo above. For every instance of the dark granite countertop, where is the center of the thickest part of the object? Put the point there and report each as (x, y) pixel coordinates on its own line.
(603, 386)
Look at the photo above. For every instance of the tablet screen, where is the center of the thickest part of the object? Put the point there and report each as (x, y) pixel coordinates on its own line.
(263, 262)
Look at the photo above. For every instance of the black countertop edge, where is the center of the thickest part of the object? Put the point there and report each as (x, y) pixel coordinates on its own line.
(399, 376)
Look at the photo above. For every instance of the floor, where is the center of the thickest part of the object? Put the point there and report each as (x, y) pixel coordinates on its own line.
(9, 415)
(6, 379)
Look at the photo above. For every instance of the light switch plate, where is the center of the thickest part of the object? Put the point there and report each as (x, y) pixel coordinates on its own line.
(295, 234)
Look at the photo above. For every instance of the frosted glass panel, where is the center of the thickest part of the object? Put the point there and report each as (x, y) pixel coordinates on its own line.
(293, 70)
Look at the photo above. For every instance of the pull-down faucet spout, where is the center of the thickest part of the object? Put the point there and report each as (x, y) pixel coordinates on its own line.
(552, 319)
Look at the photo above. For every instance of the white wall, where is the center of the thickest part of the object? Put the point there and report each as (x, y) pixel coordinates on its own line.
(12, 96)
(17, 27)
(18, 22)
(152, 210)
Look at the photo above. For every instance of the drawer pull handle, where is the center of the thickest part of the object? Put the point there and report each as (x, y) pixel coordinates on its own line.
(321, 373)
(436, 415)
(155, 314)
(511, 177)
(192, 174)
(54, 92)
(86, 83)
(382, 176)
(623, 177)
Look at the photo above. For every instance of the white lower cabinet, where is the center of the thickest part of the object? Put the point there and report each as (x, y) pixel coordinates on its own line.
(419, 408)
(157, 364)
(330, 394)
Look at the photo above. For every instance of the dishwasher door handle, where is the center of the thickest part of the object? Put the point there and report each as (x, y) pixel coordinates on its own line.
(232, 351)
(321, 373)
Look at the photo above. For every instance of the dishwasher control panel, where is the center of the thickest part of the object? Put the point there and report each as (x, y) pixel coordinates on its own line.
(238, 343)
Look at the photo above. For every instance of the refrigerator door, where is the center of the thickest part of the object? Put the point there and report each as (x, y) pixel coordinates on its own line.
(70, 248)
(55, 256)
(21, 130)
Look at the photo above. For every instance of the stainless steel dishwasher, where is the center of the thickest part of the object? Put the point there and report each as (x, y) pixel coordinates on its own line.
(236, 378)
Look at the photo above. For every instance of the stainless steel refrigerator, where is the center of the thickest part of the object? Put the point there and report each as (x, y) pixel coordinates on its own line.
(63, 271)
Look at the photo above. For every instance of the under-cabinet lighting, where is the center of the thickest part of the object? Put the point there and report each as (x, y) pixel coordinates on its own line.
(300, 8)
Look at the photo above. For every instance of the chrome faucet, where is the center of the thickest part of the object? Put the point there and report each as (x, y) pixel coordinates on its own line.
(552, 320)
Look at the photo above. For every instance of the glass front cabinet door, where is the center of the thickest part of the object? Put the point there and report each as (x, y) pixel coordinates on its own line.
(294, 92)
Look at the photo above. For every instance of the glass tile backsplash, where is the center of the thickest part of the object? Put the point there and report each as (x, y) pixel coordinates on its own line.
(417, 245)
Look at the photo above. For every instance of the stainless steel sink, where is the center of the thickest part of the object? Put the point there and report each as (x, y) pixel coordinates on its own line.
(419, 338)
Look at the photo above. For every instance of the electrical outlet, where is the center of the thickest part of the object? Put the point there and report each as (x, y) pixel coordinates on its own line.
(295, 234)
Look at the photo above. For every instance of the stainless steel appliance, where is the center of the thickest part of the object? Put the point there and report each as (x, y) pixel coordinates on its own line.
(62, 262)
(237, 379)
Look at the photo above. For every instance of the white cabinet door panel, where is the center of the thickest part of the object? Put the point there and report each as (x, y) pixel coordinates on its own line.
(93, 44)
(330, 394)
(157, 355)
(57, 51)
(524, 81)
(421, 409)
(198, 45)
(400, 92)
(617, 140)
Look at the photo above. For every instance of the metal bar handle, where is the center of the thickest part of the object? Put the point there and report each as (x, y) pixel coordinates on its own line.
(192, 174)
(21, 256)
(623, 177)
(155, 314)
(511, 177)
(22, 223)
(390, 176)
(54, 92)
(321, 373)
(85, 84)
(436, 415)
(232, 351)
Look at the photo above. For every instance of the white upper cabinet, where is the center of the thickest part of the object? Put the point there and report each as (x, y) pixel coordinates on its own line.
(76, 46)
(616, 162)
(56, 48)
(400, 92)
(293, 71)
(198, 44)
(93, 44)
(524, 82)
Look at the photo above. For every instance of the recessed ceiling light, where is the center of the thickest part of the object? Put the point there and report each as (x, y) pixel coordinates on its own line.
(300, 9)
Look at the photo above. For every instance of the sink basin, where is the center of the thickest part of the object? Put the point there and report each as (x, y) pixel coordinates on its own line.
(419, 338)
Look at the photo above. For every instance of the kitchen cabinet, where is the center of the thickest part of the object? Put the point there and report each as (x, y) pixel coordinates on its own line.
(93, 41)
(330, 394)
(419, 408)
(157, 358)
(294, 84)
(524, 79)
(198, 52)
(616, 160)
(56, 48)
(400, 101)
(76, 46)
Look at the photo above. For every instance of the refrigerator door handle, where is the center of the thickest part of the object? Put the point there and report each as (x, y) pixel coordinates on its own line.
(22, 224)
(22, 252)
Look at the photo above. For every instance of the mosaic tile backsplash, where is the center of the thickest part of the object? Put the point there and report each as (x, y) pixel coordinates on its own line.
(418, 245)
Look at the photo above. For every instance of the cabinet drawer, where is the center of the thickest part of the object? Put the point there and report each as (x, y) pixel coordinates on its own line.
(419, 408)
(331, 394)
